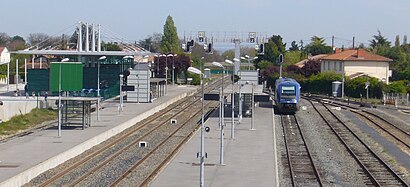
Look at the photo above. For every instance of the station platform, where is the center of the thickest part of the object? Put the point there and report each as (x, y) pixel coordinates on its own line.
(249, 158)
(23, 158)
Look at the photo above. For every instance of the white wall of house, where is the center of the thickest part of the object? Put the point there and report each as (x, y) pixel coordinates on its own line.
(335, 66)
(5, 56)
(379, 70)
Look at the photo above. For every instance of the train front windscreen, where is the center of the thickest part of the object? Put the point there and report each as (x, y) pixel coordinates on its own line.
(288, 90)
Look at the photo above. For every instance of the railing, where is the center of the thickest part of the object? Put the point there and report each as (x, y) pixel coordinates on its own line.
(396, 99)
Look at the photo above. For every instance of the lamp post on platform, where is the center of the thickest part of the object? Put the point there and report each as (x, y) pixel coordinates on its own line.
(221, 115)
(202, 151)
(98, 85)
(249, 59)
(166, 72)
(59, 96)
(232, 103)
(173, 66)
(120, 106)
(240, 92)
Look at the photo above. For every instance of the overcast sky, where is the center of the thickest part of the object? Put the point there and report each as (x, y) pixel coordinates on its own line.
(292, 19)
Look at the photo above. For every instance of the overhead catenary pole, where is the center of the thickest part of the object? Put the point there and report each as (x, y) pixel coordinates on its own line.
(237, 65)
(353, 42)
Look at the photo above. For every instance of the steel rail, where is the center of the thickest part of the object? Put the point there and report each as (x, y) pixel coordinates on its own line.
(312, 164)
(121, 138)
(355, 156)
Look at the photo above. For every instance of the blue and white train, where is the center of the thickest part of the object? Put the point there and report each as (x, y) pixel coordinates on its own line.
(287, 95)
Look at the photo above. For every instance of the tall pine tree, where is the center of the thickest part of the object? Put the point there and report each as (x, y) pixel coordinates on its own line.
(170, 41)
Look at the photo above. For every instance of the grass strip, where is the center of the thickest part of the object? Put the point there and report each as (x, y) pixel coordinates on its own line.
(26, 121)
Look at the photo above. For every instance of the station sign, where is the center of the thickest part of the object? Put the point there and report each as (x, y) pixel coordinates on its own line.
(211, 97)
(128, 88)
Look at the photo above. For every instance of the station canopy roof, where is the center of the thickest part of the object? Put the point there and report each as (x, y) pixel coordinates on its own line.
(81, 53)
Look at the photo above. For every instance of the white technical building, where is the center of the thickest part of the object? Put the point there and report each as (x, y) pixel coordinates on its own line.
(4, 55)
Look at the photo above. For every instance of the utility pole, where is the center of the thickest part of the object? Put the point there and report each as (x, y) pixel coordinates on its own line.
(333, 44)
(353, 42)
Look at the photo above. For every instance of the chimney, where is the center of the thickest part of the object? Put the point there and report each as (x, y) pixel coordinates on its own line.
(360, 53)
(337, 50)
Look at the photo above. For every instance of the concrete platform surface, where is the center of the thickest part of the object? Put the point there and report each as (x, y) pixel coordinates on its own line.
(23, 158)
(249, 158)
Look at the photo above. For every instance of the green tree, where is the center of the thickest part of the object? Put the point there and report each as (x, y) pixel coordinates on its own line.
(110, 46)
(292, 57)
(229, 54)
(405, 40)
(379, 41)
(152, 43)
(170, 41)
(294, 46)
(356, 87)
(273, 48)
(397, 87)
(318, 46)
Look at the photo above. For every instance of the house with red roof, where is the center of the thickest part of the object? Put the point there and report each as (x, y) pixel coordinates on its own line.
(358, 62)
(4, 55)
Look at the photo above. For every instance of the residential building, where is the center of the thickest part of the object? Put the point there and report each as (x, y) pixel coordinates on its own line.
(358, 62)
(315, 58)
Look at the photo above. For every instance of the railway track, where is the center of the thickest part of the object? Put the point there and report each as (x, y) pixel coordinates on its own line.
(112, 163)
(303, 171)
(400, 135)
(375, 170)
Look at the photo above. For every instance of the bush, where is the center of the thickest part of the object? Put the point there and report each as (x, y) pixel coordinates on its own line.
(320, 83)
(397, 87)
(356, 87)
(196, 79)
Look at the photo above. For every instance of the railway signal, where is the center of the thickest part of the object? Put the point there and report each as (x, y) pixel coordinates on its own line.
(188, 46)
(208, 48)
(260, 48)
(280, 59)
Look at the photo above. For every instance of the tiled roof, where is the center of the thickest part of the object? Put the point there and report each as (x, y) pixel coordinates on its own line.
(357, 55)
(1, 49)
(313, 58)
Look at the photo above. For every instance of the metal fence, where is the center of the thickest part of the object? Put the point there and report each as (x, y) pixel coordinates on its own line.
(396, 99)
